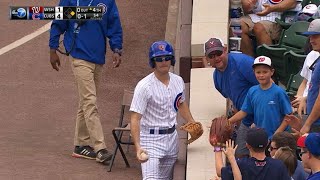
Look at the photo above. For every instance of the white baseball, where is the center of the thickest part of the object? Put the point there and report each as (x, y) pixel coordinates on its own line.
(144, 156)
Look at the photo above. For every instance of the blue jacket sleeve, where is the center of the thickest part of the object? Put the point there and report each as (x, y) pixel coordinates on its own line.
(58, 27)
(114, 30)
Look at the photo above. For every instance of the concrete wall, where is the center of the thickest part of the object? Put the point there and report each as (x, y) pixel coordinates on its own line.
(209, 18)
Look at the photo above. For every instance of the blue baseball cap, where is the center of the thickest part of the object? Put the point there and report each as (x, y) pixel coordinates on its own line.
(314, 28)
(311, 142)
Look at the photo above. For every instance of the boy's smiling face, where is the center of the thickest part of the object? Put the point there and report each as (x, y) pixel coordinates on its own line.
(263, 74)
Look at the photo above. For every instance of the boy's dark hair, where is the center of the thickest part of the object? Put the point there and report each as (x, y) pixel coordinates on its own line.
(282, 139)
(258, 150)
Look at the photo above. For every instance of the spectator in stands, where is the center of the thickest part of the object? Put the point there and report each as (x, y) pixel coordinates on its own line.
(232, 78)
(310, 153)
(258, 166)
(301, 97)
(312, 123)
(307, 13)
(267, 102)
(260, 21)
(285, 139)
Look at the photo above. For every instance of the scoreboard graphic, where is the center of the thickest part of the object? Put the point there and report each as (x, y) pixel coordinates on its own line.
(56, 13)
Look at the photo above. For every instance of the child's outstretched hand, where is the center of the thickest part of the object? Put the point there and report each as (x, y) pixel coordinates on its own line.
(230, 149)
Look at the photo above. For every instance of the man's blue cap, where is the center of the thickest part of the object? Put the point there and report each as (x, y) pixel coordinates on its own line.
(314, 28)
(313, 143)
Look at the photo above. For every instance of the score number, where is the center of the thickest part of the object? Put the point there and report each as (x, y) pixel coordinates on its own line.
(59, 13)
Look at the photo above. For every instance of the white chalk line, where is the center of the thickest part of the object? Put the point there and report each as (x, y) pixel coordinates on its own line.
(25, 39)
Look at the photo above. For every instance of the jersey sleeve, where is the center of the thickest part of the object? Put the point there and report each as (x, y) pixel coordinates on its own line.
(311, 57)
(304, 70)
(183, 97)
(140, 99)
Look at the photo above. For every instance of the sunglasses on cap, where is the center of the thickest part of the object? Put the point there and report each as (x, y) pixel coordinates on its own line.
(163, 58)
(215, 54)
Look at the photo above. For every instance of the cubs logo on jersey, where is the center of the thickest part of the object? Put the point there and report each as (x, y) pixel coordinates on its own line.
(275, 1)
(177, 102)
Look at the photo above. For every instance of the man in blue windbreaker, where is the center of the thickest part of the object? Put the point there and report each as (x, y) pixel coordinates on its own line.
(86, 43)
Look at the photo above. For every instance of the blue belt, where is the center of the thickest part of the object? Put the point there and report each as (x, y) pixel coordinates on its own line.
(164, 131)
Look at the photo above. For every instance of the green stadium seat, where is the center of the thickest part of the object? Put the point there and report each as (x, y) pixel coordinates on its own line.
(294, 62)
(293, 84)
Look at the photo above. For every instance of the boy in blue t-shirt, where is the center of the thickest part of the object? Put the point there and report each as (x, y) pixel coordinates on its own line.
(267, 102)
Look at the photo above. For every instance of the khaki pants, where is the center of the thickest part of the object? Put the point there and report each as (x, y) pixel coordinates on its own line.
(88, 129)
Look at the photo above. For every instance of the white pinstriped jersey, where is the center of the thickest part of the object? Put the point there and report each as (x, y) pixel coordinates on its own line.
(157, 103)
(271, 16)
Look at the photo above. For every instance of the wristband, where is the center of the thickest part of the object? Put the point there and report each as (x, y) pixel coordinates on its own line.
(217, 149)
(118, 51)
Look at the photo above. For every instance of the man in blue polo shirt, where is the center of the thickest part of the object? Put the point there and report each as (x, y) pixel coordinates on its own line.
(233, 78)
(312, 123)
(258, 166)
(310, 153)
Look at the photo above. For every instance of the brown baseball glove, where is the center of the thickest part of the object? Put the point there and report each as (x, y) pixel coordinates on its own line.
(220, 131)
(294, 122)
(194, 129)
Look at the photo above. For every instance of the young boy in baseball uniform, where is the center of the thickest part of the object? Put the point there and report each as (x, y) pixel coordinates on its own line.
(157, 99)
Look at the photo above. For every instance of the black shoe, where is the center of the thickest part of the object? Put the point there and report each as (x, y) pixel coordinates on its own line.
(103, 155)
(84, 152)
